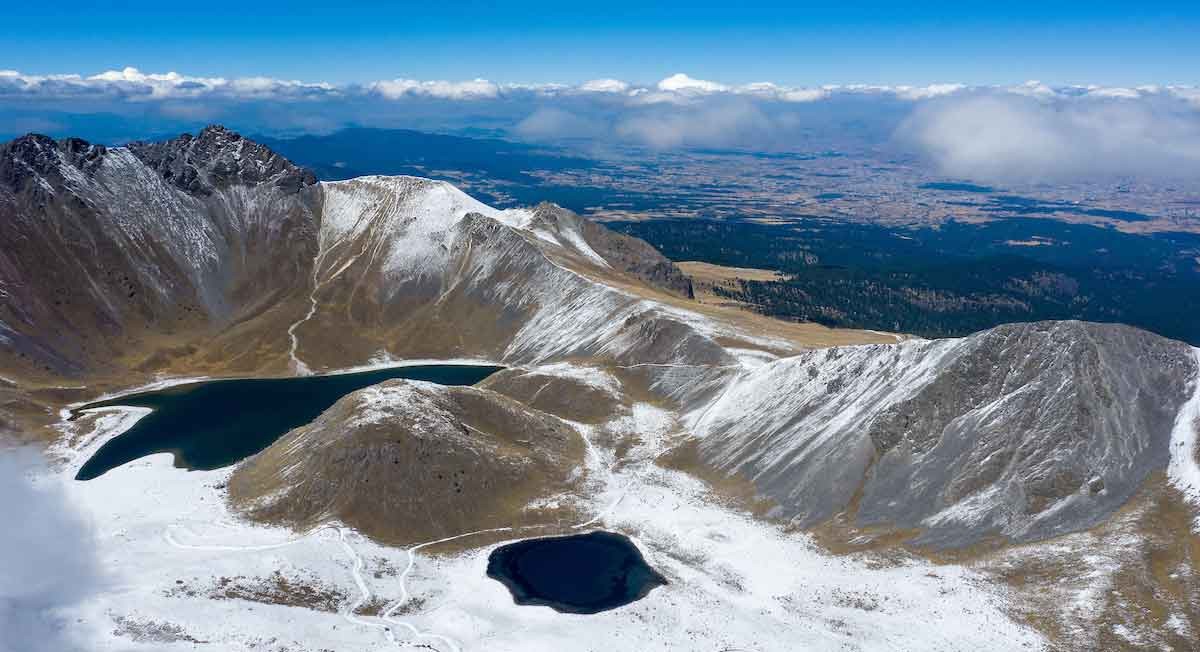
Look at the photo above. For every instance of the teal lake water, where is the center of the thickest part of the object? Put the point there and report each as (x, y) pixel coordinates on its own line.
(213, 424)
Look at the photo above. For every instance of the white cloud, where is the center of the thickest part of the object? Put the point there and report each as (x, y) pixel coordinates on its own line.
(681, 83)
(466, 90)
(927, 92)
(604, 86)
(903, 92)
(1120, 93)
(1033, 88)
(1002, 137)
(254, 87)
(47, 559)
(804, 95)
(132, 84)
(548, 90)
(682, 90)
(1031, 130)
(733, 123)
(768, 90)
(1187, 93)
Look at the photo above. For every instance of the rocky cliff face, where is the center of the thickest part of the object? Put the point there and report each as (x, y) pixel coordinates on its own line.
(218, 159)
(104, 251)
(1024, 431)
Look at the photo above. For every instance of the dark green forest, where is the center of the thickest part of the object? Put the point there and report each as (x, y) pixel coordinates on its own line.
(951, 280)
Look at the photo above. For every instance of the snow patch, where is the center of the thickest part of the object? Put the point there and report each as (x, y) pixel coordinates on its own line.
(590, 376)
(1183, 470)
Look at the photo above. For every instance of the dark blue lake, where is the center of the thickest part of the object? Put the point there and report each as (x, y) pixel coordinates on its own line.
(212, 424)
(580, 574)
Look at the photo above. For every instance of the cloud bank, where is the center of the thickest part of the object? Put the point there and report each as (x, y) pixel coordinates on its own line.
(47, 560)
(991, 133)
(133, 84)
(1030, 138)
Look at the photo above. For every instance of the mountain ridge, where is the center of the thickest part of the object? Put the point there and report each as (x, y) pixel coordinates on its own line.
(212, 256)
(416, 268)
(1006, 431)
(226, 177)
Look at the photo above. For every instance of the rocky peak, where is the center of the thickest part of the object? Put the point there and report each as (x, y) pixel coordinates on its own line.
(37, 160)
(219, 158)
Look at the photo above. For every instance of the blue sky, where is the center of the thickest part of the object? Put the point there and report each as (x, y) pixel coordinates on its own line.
(1119, 91)
(787, 43)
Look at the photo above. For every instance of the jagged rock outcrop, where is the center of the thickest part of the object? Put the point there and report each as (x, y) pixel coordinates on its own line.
(217, 159)
(1023, 431)
(33, 163)
(407, 461)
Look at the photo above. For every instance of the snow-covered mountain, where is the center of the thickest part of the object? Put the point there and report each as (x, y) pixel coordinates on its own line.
(1024, 431)
(205, 248)
(211, 255)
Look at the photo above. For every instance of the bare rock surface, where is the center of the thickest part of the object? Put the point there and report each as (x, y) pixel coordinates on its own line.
(219, 158)
(570, 392)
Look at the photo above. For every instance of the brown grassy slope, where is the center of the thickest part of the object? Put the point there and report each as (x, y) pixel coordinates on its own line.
(406, 462)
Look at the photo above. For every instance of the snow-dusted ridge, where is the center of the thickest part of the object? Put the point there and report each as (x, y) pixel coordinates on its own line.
(403, 246)
(1025, 430)
(418, 217)
(1184, 468)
